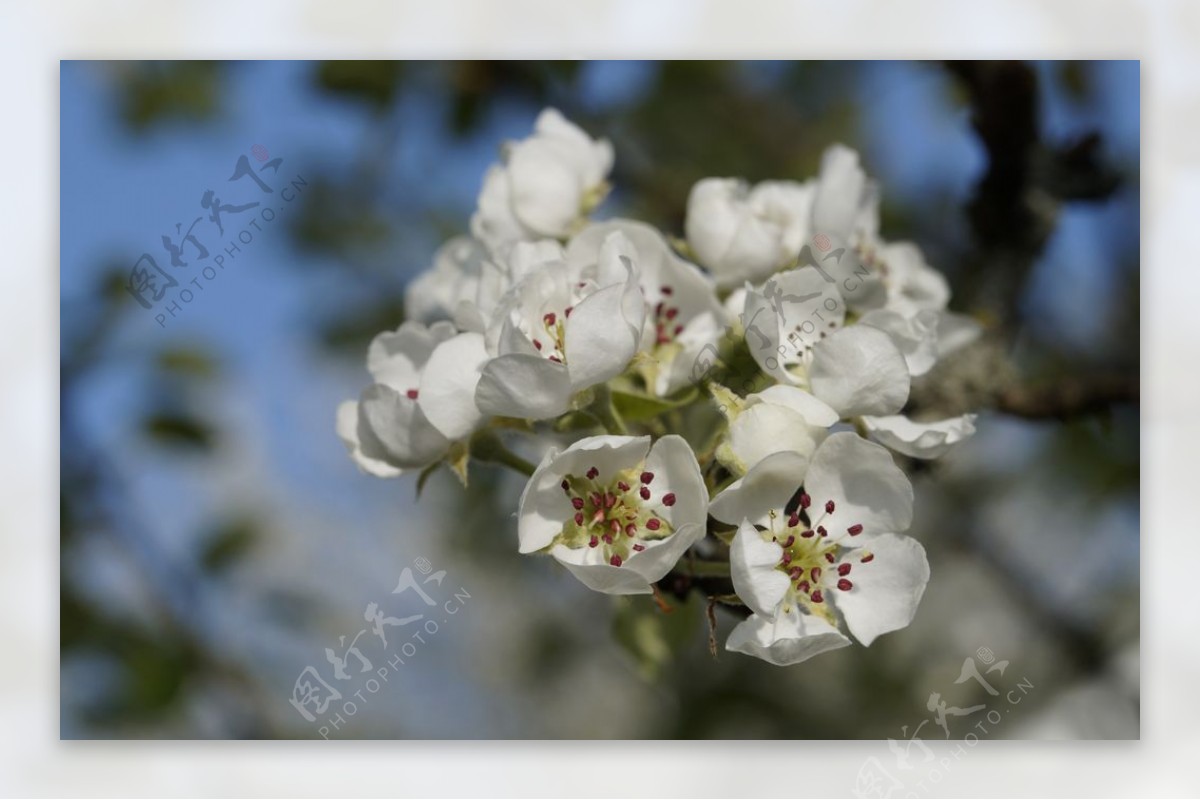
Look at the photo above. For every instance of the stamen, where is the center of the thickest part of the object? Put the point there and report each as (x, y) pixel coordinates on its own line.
(668, 499)
(645, 492)
(829, 506)
(631, 530)
(579, 519)
(646, 477)
(854, 530)
(593, 542)
(637, 548)
(537, 344)
(845, 585)
(829, 557)
(793, 520)
(815, 572)
(807, 534)
(567, 312)
(791, 540)
(817, 597)
(556, 359)
(412, 394)
(615, 560)
(653, 524)
(805, 500)
(821, 530)
(843, 569)
(566, 485)
(867, 558)
(623, 486)
(549, 319)
(592, 473)
(577, 502)
(667, 290)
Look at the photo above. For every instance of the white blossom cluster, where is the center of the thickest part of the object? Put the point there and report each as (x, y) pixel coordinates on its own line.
(543, 318)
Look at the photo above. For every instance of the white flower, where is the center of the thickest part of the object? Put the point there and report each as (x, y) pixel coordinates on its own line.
(554, 335)
(744, 234)
(615, 511)
(545, 184)
(422, 399)
(818, 548)
(683, 315)
(846, 202)
(777, 419)
(794, 330)
(912, 285)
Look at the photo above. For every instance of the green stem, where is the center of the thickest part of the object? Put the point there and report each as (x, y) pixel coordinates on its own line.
(487, 447)
(604, 410)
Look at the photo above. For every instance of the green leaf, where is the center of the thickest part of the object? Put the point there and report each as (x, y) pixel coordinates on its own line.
(654, 638)
(638, 407)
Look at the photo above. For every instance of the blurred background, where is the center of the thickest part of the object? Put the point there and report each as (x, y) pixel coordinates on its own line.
(216, 539)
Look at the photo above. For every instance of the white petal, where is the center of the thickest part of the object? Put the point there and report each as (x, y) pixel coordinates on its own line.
(543, 507)
(661, 556)
(920, 439)
(523, 386)
(347, 430)
(447, 394)
(396, 358)
(762, 328)
(675, 470)
(601, 577)
(494, 222)
(858, 370)
(765, 488)
(763, 428)
(788, 639)
(913, 284)
(842, 193)
(886, 590)
(915, 335)
(401, 427)
(814, 411)
(603, 332)
(865, 484)
(752, 565)
(547, 191)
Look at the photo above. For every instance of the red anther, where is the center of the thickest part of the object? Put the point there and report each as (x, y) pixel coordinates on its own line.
(821, 530)
(579, 519)
(854, 530)
(787, 557)
(615, 527)
(815, 572)
(806, 534)
(805, 500)
(795, 572)
(668, 499)
(644, 492)
(658, 309)
(593, 542)
(568, 311)
(537, 344)
(607, 538)
(845, 585)
(867, 558)
(793, 520)
(637, 548)
(577, 502)
(592, 473)
(646, 477)
(610, 500)
(678, 330)
(549, 319)
(672, 313)
(596, 499)
(631, 530)
(829, 557)
(653, 524)
(556, 359)
(791, 540)
(623, 486)
(566, 485)
(817, 597)
(843, 569)
(615, 560)
(667, 290)
(804, 586)
(412, 394)
(829, 506)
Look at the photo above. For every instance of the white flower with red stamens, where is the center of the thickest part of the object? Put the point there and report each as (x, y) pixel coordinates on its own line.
(616, 511)
(683, 314)
(795, 331)
(555, 334)
(422, 399)
(819, 548)
(545, 185)
(745, 234)
(777, 419)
